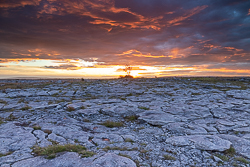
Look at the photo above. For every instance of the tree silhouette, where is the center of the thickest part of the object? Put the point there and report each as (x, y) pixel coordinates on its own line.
(127, 69)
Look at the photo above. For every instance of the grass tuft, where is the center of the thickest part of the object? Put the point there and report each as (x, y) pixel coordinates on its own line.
(222, 157)
(8, 153)
(50, 151)
(25, 108)
(37, 127)
(241, 159)
(129, 140)
(169, 157)
(143, 108)
(111, 124)
(131, 118)
(231, 151)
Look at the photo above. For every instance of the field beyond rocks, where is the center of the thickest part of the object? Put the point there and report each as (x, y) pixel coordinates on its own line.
(159, 122)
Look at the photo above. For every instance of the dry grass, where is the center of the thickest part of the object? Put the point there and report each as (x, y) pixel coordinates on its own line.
(111, 124)
(50, 151)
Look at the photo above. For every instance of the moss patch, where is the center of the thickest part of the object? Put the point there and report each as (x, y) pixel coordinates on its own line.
(50, 151)
(111, 124)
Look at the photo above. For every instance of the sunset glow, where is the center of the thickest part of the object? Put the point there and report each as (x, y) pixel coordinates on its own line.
(97, 38)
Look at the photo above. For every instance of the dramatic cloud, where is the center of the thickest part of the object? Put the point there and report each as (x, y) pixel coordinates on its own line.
(135, 32)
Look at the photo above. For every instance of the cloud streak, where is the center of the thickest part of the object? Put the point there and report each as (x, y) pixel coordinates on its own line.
(117, 32)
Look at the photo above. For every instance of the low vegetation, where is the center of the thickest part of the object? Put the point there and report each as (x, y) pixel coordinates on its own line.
(131, 118)
(231, 151)
(169, 157)
(8, 153)
(222, 157)
(143, 108)
(25, 108)
(111, 124)
(37, 127)
(51, 151)
(241, 159)
(70, 109)
(129, 140)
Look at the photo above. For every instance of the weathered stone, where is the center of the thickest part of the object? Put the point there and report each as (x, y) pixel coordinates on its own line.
(241, 145)
(202, 142)
(112, 160)
(31, 162)
(158, 117)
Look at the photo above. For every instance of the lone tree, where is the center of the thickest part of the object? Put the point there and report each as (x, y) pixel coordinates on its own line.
(127, 69)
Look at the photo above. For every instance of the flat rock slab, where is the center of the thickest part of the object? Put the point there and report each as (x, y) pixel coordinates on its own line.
(158, 117)
(122, 109)
(201, 142)
(13, 138)
(113, 160)
(71, 159)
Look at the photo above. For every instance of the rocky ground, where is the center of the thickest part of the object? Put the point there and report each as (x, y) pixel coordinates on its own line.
(139, 122)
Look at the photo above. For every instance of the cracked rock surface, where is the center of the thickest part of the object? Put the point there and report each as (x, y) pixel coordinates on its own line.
(139, 122)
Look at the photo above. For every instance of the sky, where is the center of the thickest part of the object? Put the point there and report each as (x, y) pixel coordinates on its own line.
(97, 38)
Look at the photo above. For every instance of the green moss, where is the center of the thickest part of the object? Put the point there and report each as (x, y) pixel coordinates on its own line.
(124, 155)
(131, 118)
(222, 157)
(1, 121)
(2, 101)
(50, 151)
(25, 108)
(85, 154)
(8, 153)
(53, 142)
(195, 94)
(144, 108)
(128, 140)
(241, 159)
(169, 157)
(231, 151)
(111, 124)
(11, 117)
(37, 127)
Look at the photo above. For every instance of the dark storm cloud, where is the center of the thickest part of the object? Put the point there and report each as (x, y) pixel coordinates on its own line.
(159, 32)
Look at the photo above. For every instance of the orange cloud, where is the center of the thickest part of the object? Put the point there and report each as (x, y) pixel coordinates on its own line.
(137, 53)
(192, 12)
(8, 4)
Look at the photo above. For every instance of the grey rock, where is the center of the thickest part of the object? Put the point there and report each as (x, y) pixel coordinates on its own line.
(113, 160)
(202, 142)
(158, 117)
(241, 145)
(31, 162)
(242, 130)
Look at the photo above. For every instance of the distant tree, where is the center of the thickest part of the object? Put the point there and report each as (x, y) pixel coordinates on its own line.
(127, 69)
